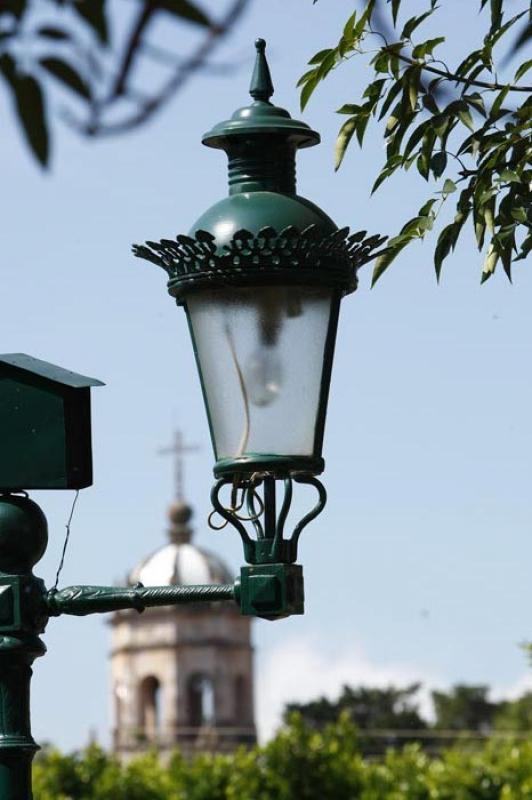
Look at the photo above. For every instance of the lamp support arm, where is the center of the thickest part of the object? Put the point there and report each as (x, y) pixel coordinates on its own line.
(82, 600)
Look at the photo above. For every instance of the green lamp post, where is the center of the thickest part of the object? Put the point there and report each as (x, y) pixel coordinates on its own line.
(261, 278)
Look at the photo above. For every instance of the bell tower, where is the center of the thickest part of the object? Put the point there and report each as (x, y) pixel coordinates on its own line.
(183, 676)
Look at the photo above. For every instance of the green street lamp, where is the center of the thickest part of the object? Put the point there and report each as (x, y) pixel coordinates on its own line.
(261, 276)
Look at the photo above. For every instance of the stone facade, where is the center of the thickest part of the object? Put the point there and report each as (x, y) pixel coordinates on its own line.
(182, 676)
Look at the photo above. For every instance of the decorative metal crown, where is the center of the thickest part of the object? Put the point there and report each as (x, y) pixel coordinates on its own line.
(307, 257)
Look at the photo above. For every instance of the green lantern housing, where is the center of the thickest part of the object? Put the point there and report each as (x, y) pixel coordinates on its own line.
(261, 276)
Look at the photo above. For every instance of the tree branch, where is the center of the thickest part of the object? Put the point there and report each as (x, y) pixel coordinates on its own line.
(183, 72)
(457, 78)
(132, 45)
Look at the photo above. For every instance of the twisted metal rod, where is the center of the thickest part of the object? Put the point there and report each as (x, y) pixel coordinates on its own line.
(82, 600)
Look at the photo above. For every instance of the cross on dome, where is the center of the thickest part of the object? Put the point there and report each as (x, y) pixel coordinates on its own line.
(179, 449)
(179, 513)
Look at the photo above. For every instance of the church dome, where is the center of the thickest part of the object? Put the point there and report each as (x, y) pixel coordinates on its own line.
(180, 562)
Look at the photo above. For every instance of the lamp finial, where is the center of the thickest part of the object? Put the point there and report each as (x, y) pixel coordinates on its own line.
(261, 87)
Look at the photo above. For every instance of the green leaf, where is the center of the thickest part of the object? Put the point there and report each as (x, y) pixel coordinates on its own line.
(381, 61)
(344, 137)
(395, 10)
(307, 90)
(363, 120)
(464, 115)
(476, 101)
(318, 57)
(15, 7)
(391, 96)
(426, 209)
(184, 9)
(425, 156)
(53, 33)
(488, 218)
(499, 32)
(510, 176)
(31, 109)
(526, 248)
(469, 62)
(93, 12)
(480, 230)
(413, 23)
(386, 172)
(438, 162)
(306, 77)
(64, 73)
(374, 90)
(448, 187)
(349, 108)
(499, 100)
(430, 103)
(412, 95)
(326, 65)
(444, 244)
(349, 27)
(389, 255)
(391, 123)
(364, 19)
(426, 48)
(496, 14)
(519, 214)
(416, 137)
(522, 70)
(490, 263)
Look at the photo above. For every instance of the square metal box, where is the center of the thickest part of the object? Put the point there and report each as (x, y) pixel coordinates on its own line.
(45, 425)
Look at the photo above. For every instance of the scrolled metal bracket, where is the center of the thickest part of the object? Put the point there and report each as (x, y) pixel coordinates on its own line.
(270, 546)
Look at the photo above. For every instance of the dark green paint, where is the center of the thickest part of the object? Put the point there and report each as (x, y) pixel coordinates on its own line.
(51, 372)
(23, 539)
(82, 600)
(44, 425)
(261, 141)
(272, 591)
(281, 465)
(270, 545)
(261, 117)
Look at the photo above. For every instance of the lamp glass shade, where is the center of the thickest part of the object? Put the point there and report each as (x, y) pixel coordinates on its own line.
(264, 356)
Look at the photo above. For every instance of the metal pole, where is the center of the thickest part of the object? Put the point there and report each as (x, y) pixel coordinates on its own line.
(23, 540)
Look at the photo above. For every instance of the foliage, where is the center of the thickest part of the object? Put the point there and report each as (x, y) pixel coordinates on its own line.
(515, 715)
(299, 762)
(367, 707)
(464, 708)
(70, 44)
(391, 717)
(461, 127)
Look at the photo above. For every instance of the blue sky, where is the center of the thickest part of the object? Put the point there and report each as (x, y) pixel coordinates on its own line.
(420, 565)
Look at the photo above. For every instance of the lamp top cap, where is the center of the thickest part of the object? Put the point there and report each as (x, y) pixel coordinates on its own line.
(261, 86)
(261, 116)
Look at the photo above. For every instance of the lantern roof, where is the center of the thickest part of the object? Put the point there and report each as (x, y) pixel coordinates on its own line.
(50, 372)
(261, 116)
(264, 232)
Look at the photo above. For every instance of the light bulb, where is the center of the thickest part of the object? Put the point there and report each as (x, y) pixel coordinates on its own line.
(263, 375)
